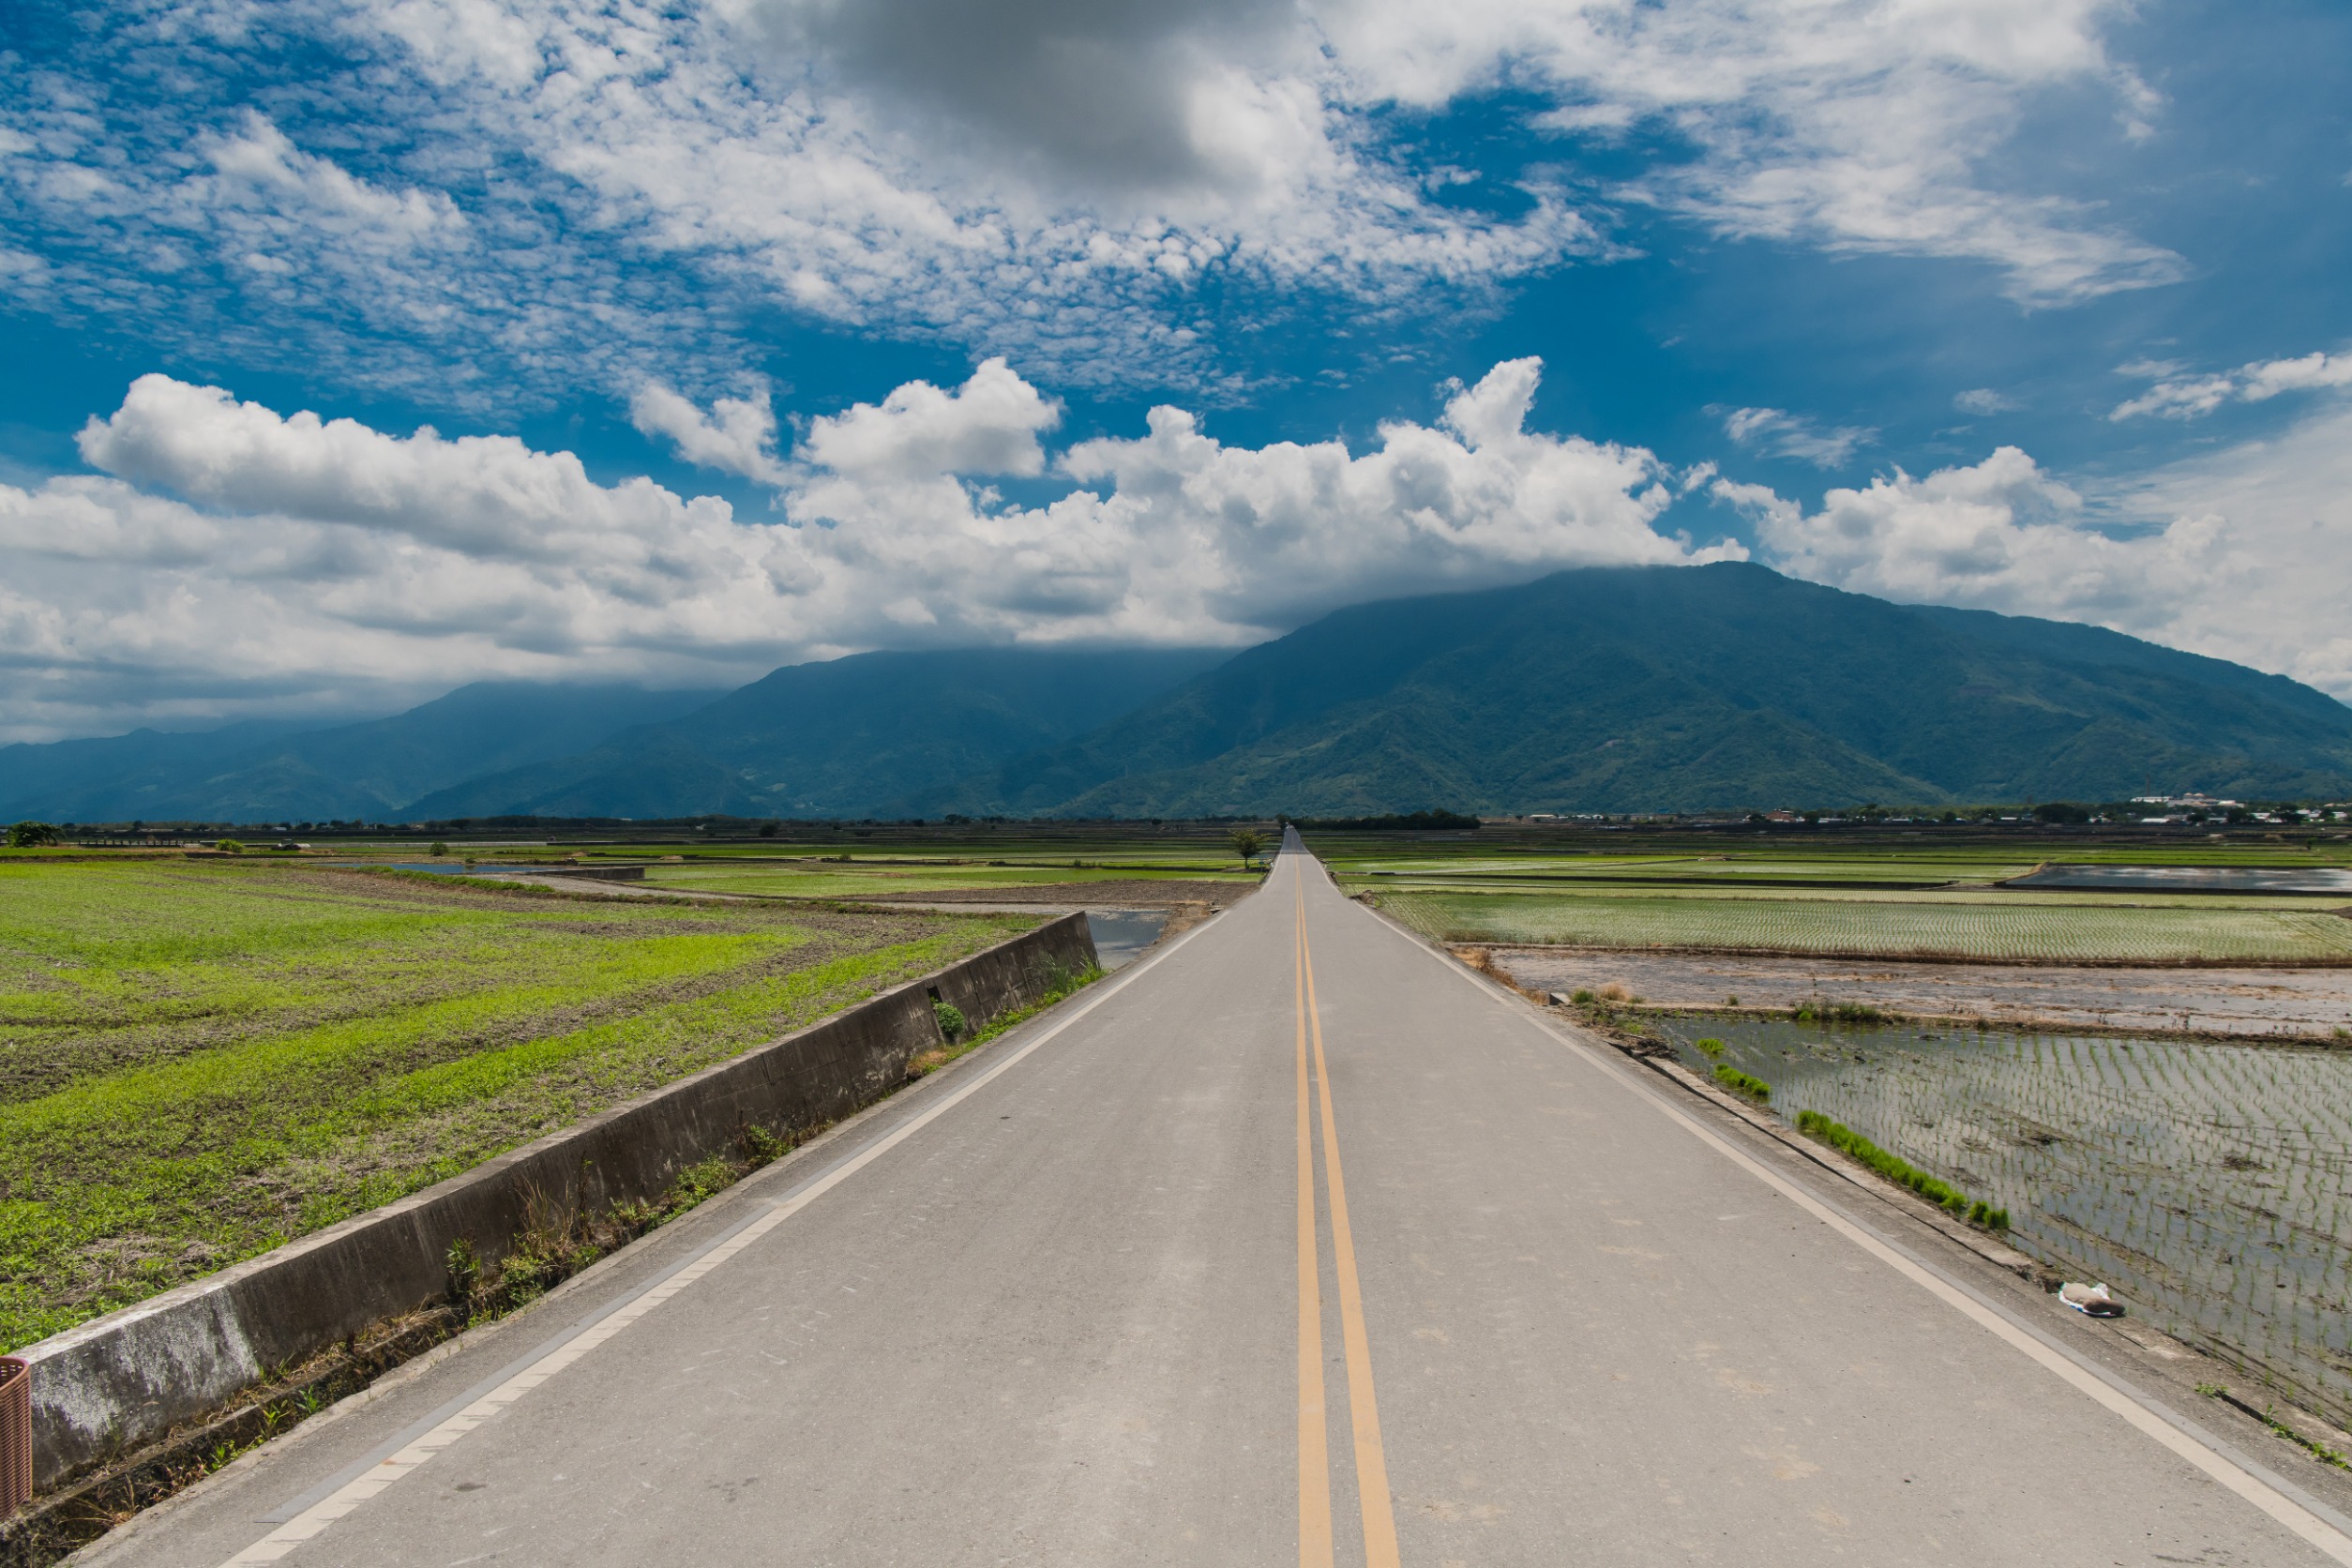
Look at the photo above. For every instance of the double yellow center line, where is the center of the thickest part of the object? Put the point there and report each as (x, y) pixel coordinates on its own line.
(1380, 1522)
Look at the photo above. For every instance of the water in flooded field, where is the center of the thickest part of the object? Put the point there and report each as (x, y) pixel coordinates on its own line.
(1122, 936)
(2191, 879)
(2210, 1185)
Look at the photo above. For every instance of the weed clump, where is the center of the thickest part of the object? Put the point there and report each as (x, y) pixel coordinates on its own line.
(1710, 1047)
(1841, 1012)
(2269, 1416)
(963, 1039)
(1583, 996)
(1742, 1083)
(1900, 1172)
(549, 1249)
(950, 1016)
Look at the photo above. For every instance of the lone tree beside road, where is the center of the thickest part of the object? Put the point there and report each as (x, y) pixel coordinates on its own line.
(1249, 844)
(32, 835)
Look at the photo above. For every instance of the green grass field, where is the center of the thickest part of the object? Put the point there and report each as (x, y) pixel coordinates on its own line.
(1990, 927)
(200, 1061)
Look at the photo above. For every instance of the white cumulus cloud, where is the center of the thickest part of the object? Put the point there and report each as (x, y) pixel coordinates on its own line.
(228, 558)
(989, 425)
(2239, 555)
(736, 436)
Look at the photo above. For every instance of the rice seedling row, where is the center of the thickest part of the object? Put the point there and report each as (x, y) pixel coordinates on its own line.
(2017, 929)
(2211, 1185)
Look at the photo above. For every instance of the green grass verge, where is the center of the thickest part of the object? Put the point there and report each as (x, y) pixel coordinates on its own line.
(200, 1062)
(1900, 1172)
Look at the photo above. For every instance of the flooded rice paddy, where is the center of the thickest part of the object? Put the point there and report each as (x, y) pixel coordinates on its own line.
(2191, 879)
(2208, 1184)
(2315, 1003)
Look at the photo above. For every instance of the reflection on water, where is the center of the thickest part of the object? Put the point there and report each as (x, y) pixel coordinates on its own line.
(1121, 935)
(2209, 1184)
(2191, 879)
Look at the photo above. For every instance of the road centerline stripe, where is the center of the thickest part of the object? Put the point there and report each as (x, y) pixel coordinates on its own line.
(1380, 1518)
(1314, 1528)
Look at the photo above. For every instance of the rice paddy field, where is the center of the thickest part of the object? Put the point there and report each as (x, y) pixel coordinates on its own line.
(858, 863)
(2208, 1184)
(1908, 896)
(851, 878)
(1989, 925)
(201, 1060)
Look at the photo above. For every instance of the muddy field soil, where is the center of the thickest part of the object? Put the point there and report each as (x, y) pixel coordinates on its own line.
(1137, 893)
(2304, 1003)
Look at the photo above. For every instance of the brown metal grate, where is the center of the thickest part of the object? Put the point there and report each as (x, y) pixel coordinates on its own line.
(16, 1435)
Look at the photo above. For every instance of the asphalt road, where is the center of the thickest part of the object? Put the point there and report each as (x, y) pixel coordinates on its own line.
(1294, 1242)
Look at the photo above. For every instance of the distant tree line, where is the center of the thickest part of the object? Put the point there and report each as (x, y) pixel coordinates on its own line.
(1410, 821)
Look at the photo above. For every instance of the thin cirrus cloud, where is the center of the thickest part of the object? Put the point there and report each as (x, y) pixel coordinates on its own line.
(2174, 395)
(1048, 179)
(1779, 433)
(1984, 401)
(223, 557)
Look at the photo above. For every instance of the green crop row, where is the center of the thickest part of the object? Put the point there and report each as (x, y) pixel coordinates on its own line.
(1744, 1084)
(2024, 930)
(1896, 1169)
(199, 1062)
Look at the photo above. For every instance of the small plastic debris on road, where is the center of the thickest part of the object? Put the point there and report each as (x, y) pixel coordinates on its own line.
(2092, 1301)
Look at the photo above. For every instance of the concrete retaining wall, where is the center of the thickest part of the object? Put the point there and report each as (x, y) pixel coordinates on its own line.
(124, 1380)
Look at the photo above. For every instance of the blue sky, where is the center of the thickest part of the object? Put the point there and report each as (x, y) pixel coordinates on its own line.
(757, 330)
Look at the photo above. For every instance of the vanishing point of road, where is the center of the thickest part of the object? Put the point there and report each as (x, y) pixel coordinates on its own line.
(1292, 1242)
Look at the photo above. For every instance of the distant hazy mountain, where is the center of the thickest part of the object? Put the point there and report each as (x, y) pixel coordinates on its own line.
(843, 738)
(1605, 691)
(368, 771)
(1680, 688)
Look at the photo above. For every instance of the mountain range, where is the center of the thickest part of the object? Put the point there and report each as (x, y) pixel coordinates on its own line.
(1650, 688)
(1602, 689)
(843, 738)
(368, 771)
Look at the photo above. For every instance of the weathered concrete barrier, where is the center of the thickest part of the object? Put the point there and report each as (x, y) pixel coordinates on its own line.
(129, 1378)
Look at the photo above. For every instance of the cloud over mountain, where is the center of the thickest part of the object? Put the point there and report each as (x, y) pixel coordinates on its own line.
(2231, 553)
(248, 555)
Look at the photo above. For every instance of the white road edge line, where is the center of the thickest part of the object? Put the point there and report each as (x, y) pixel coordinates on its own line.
(478, 1405)
(2276, 1496)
